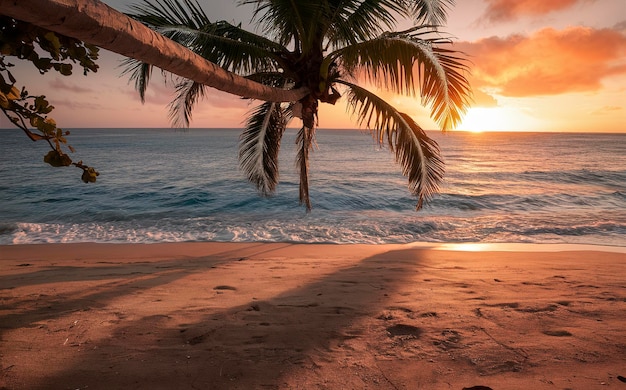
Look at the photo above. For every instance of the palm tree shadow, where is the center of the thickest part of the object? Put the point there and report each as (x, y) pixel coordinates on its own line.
(121, 276)
(254, 345)
(42, 307)
(302, 328)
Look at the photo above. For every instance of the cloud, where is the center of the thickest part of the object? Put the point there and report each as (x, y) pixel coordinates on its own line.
(58, 84)
(70, 105)
(548, 62)
(482, 99)
(608, 110)
(507, 10)
(157, 93)
(621, 26)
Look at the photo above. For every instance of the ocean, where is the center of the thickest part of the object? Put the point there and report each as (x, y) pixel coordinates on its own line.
(166, 185)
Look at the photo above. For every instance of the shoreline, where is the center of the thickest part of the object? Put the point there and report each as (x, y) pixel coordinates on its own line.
(305, 316)
(444, 246)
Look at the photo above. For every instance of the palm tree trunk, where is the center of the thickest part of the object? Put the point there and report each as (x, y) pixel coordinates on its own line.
(94, 22)
(305, 141)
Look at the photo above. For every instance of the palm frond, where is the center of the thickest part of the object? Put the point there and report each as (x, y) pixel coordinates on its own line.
(392, 59)
(163, 13)
(417, 154)
(238, 50)
(444, 87)
(431, 11)
(188, 92)
(140, 73)
(289, 21)
(353, 21)
(420, 159)
(222, 43)
(259, 146)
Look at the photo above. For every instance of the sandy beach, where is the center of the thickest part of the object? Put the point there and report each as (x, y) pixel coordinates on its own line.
(295, 316)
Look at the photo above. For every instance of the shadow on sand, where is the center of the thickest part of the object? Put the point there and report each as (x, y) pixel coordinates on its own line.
(252, 344)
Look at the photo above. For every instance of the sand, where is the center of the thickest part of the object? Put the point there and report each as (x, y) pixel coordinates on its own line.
(290, 316)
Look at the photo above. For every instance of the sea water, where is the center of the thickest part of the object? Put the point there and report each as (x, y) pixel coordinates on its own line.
(165, 185)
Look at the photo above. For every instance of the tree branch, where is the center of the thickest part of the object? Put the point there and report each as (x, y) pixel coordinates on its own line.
(94, 22)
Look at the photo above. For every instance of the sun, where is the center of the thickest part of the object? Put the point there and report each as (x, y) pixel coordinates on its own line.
(479, 119)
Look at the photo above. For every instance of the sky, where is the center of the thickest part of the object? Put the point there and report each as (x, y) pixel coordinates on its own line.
(536, 65)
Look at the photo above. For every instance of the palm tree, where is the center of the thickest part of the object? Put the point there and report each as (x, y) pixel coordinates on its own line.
(311, 52)
(328, 47)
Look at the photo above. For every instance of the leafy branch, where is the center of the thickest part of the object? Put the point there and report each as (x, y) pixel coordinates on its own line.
(47, 51)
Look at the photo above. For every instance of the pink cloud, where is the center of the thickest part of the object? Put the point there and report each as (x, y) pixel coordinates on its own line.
(621, 26)
(72, 105)
(507, 10)
(58, 84)
(156, 93)
(549, 62)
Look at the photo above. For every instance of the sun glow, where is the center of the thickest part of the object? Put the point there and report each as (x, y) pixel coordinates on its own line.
(481, 119)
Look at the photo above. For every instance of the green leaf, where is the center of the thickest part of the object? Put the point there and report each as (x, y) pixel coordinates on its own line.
(64, 69)
(42, 106)
(54, 40)
(4, 102)
(14, 94)
(57, 159)
(89, 175)
(43, 64)
(4, 86)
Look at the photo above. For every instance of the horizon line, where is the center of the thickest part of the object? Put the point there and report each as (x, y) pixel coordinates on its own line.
(340, 129)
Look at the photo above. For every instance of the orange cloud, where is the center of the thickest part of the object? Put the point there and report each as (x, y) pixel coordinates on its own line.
(549, 62)
(482, 99)
(608, 110)
(507, 10)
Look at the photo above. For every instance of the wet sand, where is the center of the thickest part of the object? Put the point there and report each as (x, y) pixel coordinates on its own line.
(295, 316)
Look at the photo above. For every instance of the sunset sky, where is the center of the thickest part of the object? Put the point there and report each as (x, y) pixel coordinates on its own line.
(537, 65)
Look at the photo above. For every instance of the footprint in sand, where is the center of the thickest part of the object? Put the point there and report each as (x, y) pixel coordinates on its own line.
(224, 287)
(557, 333)
(404, 331)
(450, 340)
(477, 388)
